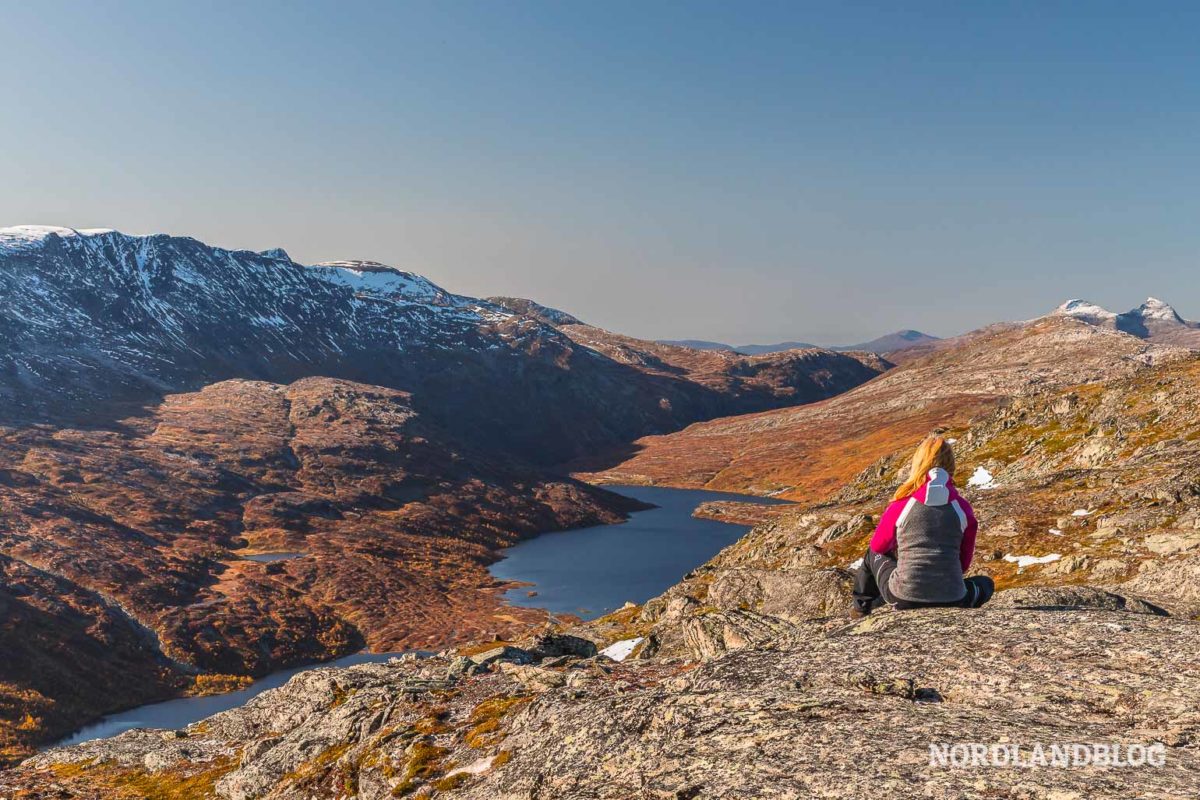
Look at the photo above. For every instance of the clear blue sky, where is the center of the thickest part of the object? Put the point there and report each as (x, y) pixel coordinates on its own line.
(739, 171)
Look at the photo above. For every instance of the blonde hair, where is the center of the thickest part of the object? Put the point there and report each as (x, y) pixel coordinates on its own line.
(933, 452)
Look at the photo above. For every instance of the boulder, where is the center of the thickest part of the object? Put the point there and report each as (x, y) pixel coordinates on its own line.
(553, 645)
(1065, 598)
(503, 653)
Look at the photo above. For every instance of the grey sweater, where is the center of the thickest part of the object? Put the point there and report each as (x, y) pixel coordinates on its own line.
(929, 539)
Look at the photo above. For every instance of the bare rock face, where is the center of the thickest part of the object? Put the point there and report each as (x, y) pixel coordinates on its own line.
(707, 635)
(1172, 580)
(792, 594)
(846, 711)
(1052, 598)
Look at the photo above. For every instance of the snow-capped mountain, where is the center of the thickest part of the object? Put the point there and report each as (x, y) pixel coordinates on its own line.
(87, 309)
(96, 322)
(1153, 319)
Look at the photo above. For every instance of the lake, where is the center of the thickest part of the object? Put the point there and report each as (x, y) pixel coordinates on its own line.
(267, 558)
(590, 572)
(183, 711)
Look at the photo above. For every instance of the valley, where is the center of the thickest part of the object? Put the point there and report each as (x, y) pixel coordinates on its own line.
(217, 464)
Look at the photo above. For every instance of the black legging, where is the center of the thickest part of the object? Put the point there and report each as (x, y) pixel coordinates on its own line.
(875, 573)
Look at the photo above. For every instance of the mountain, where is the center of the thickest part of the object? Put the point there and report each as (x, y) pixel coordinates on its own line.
(892, 342)
(884, 345)
(697, 344)
(773, 379)
(528, 308)
(744, 383)
(1154, 320)
(98, 323)
(760, 349)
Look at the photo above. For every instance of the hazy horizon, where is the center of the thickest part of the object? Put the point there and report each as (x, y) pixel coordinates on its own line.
(746, 174)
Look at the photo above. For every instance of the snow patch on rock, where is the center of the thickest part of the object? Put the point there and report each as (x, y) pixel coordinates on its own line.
(1028, 561)
(982, 479)
(619, 651)
(474, 768)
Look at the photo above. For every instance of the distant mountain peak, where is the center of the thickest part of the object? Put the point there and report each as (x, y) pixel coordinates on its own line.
(277, 253)
(1155, 319)
(1151, 310)
(371, 278)
(1084, 309)
(1154, 308)
(888, 343)
(892, 342)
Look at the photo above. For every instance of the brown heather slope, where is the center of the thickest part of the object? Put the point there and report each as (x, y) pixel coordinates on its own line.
(122, 550)
(806, 453)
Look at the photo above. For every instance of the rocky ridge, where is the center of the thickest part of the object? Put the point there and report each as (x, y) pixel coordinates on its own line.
(817, 710)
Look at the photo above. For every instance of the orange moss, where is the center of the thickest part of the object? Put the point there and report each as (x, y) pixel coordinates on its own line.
(204, 685)
(486, 719)
(130, 784)
(424, 762)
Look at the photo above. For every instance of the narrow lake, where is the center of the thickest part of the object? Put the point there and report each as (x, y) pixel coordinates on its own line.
(182, 711)
(593, 571)
(588, 572)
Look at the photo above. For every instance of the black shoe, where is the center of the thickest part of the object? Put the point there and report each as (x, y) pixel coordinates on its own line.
(858, 611)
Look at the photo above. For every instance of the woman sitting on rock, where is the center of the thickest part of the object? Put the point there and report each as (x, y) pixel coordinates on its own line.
(924, 542)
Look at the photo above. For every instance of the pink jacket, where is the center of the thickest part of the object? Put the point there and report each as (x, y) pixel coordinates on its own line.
(884, 540)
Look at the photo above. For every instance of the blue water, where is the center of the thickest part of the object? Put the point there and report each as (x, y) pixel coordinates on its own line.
(184, 711)
(267, 558)
(593, 571)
